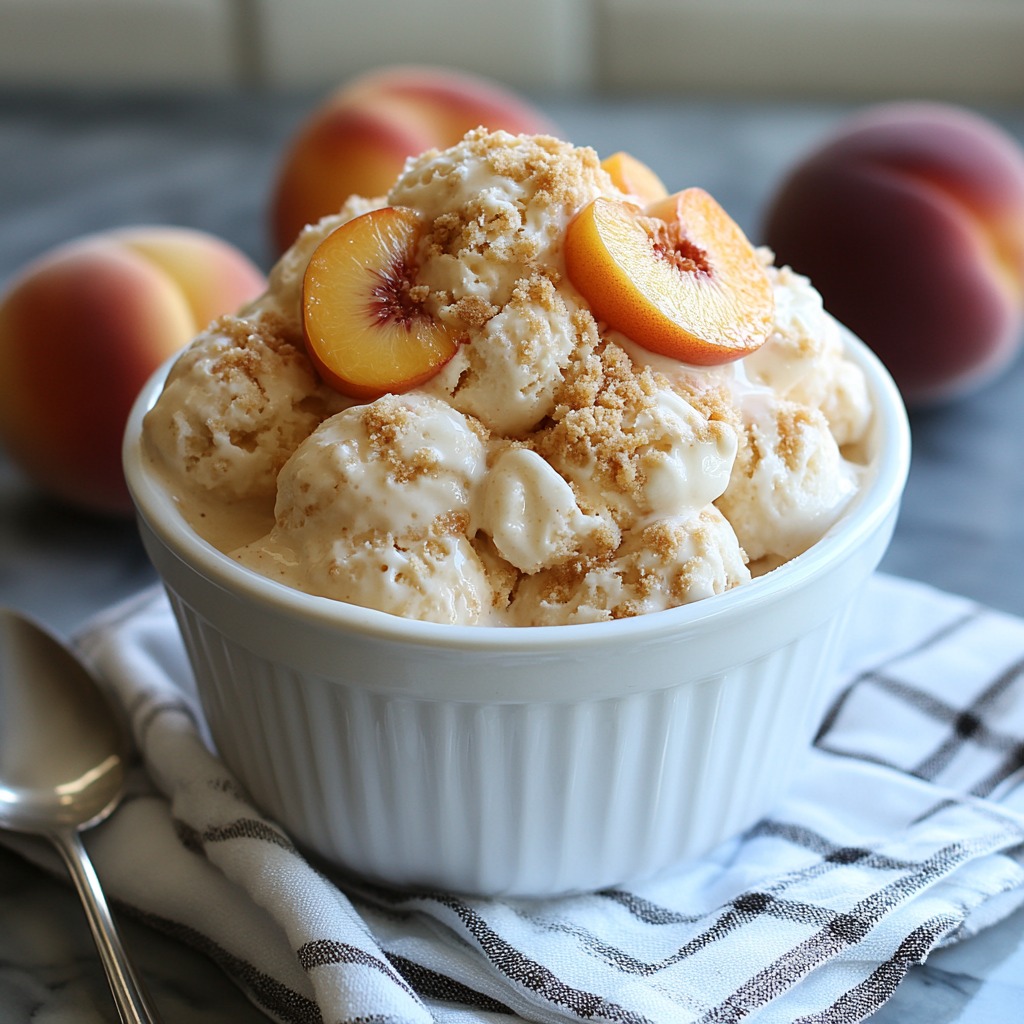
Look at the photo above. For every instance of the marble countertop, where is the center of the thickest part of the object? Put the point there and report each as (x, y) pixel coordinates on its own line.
(83, 163)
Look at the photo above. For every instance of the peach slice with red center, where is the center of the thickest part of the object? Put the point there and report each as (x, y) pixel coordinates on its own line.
(365, 326)
(678, 278)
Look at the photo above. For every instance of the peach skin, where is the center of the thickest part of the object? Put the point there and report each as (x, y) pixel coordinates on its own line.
(83, 327)
(910, 222)
(358, 139)
(213, 275)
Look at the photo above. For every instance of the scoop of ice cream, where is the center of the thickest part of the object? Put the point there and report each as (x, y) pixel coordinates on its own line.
(373, 508)
(437, 579)
(790, 482)
(236, 404)
(507, 372)
(491, 263)
(793, 404)
(803, 360)
(668, 563)
(532, 516)
(632, 448)
(497, 203)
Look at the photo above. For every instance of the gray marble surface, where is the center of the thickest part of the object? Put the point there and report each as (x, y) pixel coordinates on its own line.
(76, 164)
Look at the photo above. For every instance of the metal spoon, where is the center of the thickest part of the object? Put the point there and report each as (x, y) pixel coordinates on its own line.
(63, 755)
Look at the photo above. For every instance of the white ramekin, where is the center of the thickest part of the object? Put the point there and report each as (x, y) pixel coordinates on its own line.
(527, 761)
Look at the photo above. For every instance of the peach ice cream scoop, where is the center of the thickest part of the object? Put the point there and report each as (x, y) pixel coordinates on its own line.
(670, 562)
(236, 404)
(790, 482)
(373, 508)
(492, 267)
(551, 462)
(803, 360)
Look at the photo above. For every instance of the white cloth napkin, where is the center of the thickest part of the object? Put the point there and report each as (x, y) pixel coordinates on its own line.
(905, 833)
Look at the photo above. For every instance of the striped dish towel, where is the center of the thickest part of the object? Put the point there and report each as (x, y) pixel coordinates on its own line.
(906, 833)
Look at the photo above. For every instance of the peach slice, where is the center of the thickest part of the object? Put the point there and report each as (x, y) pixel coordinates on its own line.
(634, 177)
(365, 327)
(679, 278)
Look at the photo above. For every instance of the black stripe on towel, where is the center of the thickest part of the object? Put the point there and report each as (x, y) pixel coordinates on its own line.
(247, 828)
(846, 929)
(266, 992)
(434, 985)
(863, 999)
(520, 970)
(327, 952)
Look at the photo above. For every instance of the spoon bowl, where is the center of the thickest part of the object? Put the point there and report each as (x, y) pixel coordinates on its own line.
(62, 750)
(63, 756)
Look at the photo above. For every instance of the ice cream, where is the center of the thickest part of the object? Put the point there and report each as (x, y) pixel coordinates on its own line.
(553, 463)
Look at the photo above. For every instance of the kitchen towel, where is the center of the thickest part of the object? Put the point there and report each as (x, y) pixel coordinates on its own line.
(904, 833)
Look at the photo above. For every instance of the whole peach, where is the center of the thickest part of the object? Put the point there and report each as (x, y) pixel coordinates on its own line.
(358, 139)
(910, 222)
(83, 327)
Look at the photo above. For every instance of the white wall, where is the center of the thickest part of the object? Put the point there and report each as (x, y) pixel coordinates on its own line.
(967, 49)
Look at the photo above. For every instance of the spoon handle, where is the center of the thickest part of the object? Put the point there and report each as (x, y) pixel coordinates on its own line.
(129, 995)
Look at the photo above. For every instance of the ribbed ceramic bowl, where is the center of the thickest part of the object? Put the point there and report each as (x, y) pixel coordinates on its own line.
(524, 761)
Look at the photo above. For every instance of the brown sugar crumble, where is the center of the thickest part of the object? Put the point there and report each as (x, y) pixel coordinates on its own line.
(594, 423)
